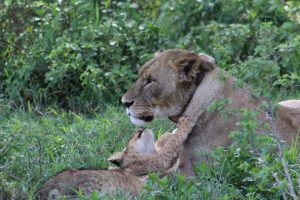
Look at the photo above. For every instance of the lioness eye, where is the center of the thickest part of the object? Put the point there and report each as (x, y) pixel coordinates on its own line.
(148, 81)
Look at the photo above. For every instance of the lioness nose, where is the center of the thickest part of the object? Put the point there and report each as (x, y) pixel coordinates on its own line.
(127, 104)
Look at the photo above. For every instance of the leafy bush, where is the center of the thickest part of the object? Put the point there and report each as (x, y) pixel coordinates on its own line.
(251, 39)
(256, 163)
(84, 54)
(79, 54)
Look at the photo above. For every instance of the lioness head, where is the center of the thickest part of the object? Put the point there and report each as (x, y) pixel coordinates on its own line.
(165, 84)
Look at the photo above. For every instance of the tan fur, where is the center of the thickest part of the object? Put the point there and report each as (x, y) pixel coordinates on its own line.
(288, 118)
(171, 91)
(66, 183)
(141, 156)
(168, 149)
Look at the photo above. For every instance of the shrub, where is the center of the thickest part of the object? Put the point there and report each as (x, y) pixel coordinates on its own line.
(257, 41)
(79, 54)
(83, 55)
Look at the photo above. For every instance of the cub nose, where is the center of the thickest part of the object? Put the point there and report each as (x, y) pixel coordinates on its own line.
(127, 104)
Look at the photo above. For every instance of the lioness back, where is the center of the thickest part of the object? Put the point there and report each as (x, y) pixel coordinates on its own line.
(288, 118)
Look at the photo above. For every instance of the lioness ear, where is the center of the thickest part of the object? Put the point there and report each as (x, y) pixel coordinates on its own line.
(157, 53)
(187, 66)
(116, 158)
(207, 63)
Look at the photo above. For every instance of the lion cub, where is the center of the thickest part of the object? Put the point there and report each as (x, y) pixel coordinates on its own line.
(141, 156)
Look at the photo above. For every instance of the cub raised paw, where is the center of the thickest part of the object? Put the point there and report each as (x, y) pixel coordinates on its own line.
(185, 123)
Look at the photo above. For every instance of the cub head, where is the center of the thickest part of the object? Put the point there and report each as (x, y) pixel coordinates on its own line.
(165, 84)
(142, 143)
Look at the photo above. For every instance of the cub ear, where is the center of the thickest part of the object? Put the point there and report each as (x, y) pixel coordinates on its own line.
(207, 63)
(116, 158)
(187, 66)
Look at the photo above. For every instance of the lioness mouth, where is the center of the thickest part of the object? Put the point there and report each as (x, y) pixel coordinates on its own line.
(146, 118)
(141, 120)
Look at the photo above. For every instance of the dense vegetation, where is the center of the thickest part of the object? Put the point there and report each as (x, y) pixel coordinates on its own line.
(65, 64)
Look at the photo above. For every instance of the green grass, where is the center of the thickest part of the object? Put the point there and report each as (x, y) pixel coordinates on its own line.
(35, 145)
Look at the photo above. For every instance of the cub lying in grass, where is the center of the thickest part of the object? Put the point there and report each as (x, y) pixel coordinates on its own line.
(141, 156)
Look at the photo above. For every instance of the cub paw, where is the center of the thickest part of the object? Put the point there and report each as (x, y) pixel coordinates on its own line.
(185, 122)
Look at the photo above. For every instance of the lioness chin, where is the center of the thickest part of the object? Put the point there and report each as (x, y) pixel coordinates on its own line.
(177, 78)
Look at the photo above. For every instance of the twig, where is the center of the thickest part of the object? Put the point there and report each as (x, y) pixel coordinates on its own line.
(279, 183)
(298, 184)
(274, 174)
(284, 164)
(40, 156)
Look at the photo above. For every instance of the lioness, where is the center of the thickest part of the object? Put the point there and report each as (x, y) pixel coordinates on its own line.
(177, 78)
(141, 156)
